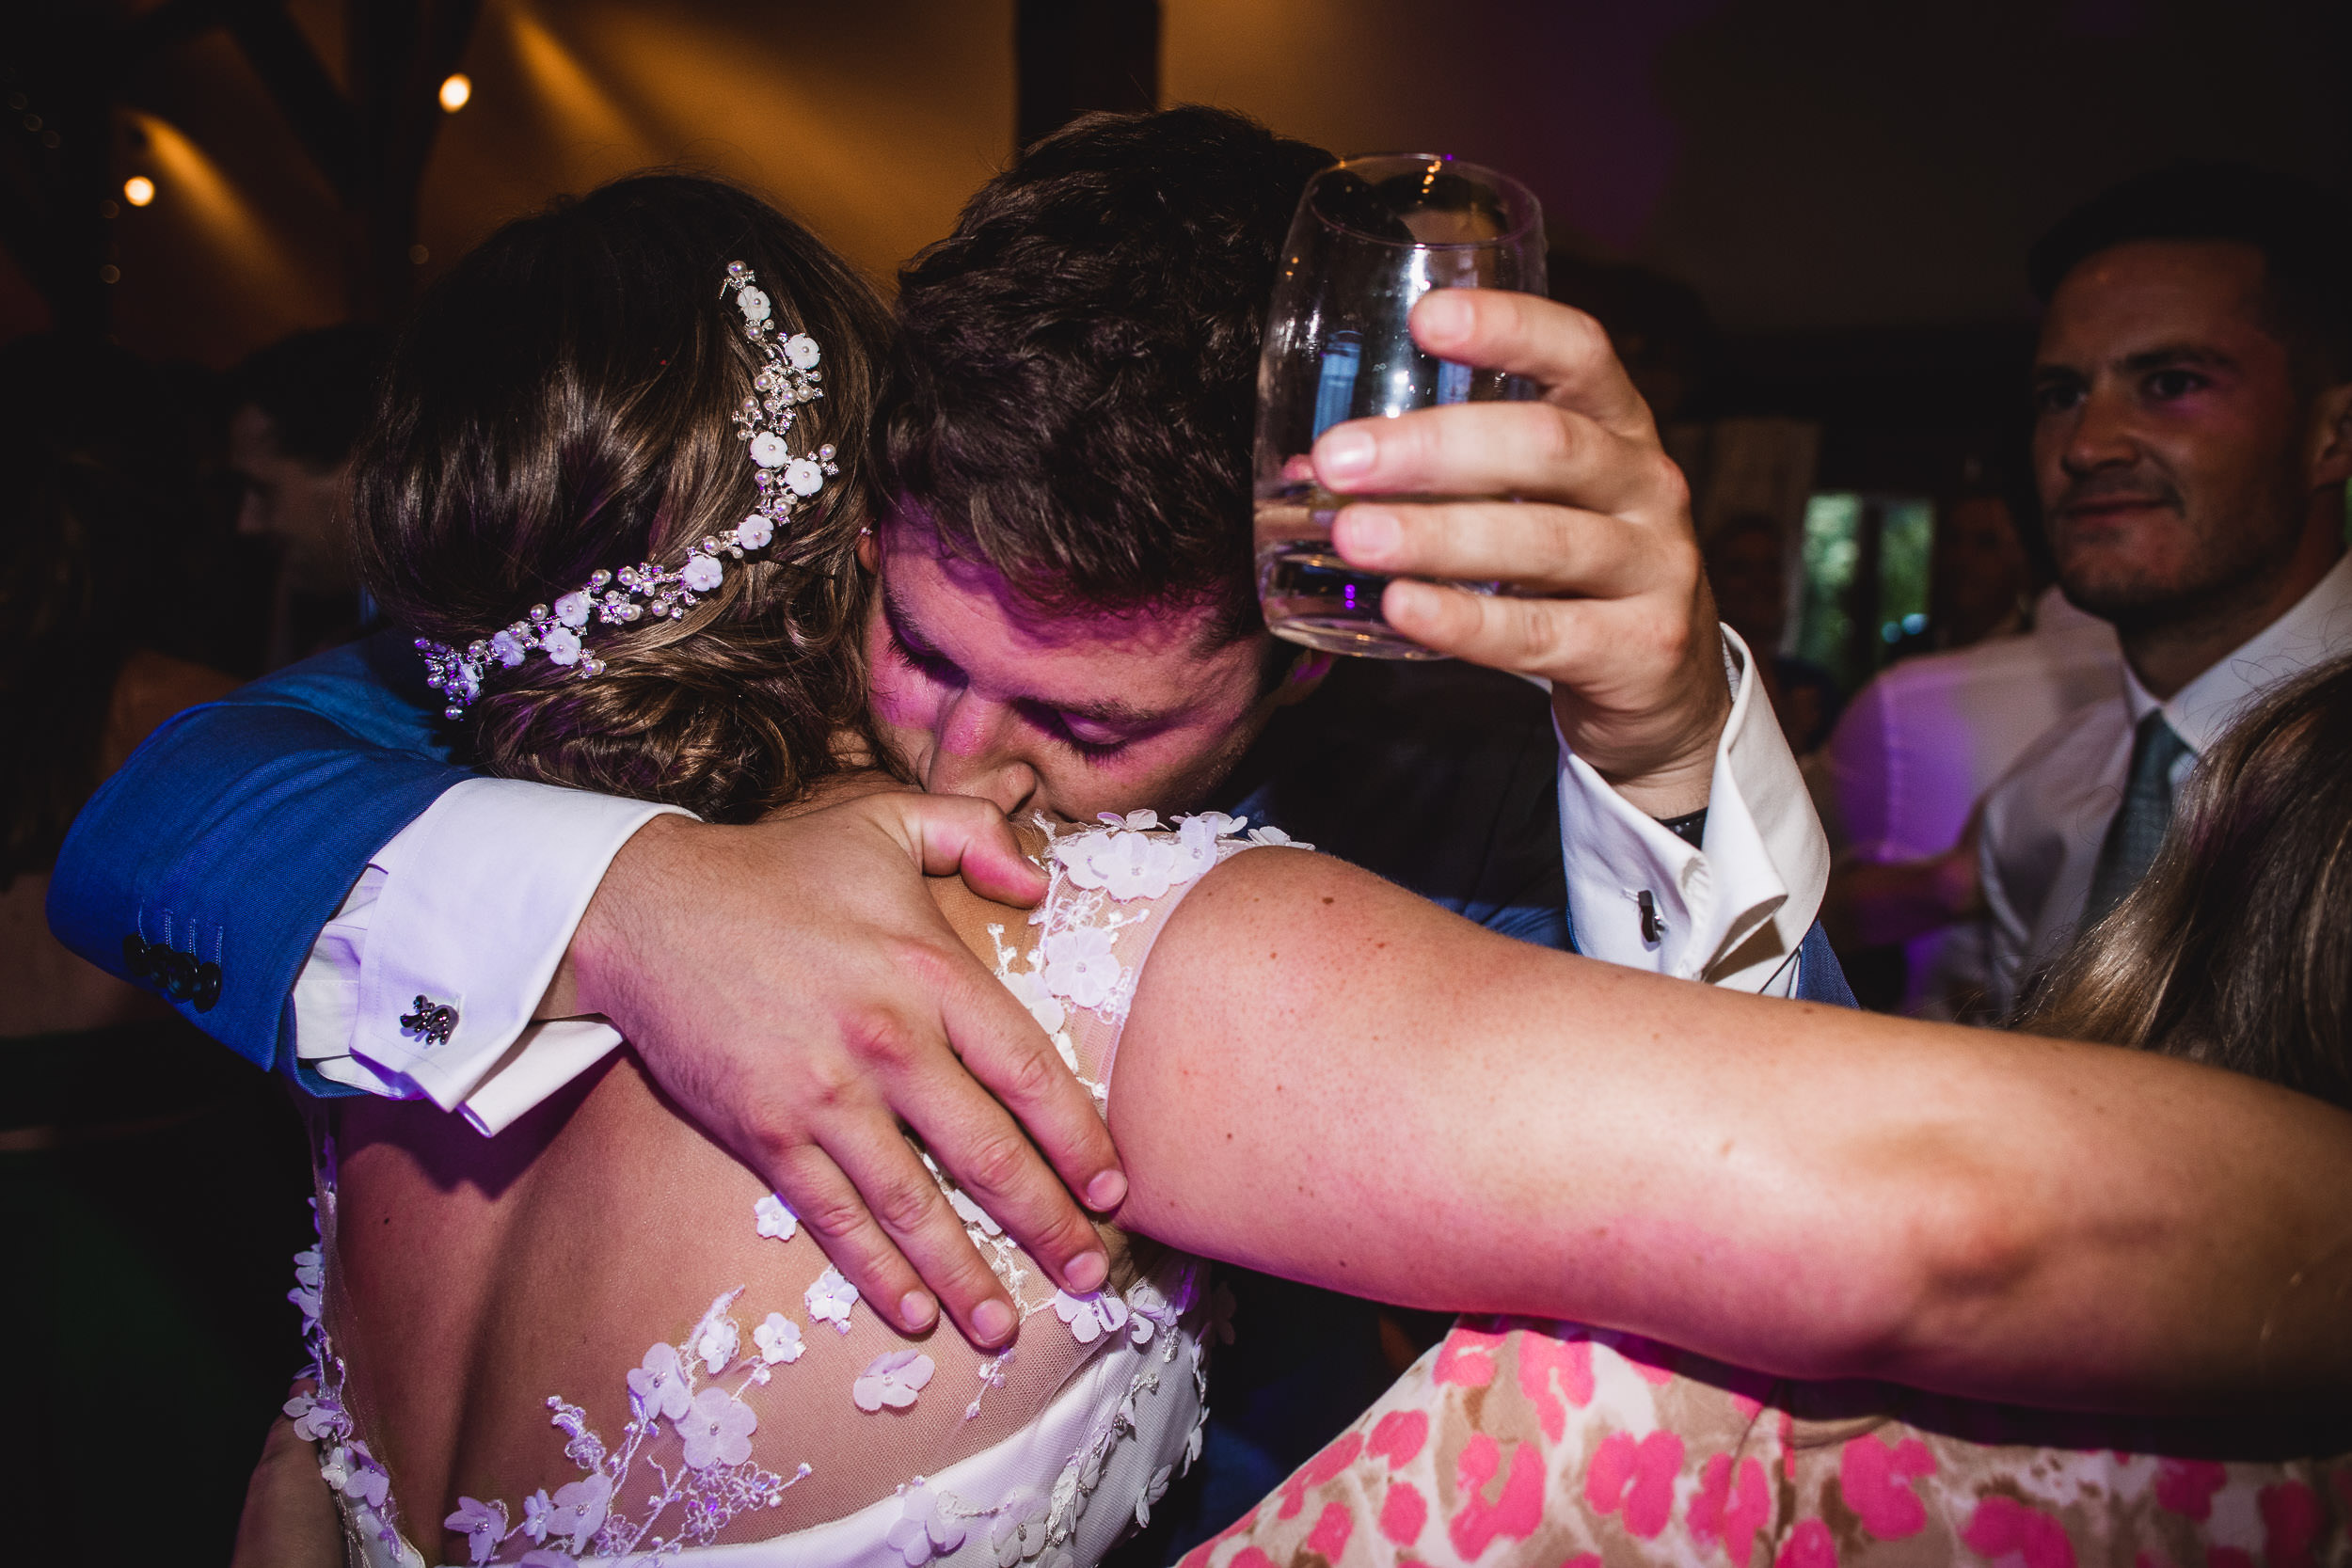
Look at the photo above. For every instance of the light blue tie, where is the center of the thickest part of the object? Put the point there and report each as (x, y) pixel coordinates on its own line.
(2130, 846)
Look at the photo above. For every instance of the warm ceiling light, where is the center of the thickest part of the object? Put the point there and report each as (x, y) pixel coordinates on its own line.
(456, 91)
(138, 190)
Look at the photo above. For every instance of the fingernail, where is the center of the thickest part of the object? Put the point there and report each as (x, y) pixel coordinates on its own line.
(1107, 1191)
(916, 1311)
(1088, 1271)
(1344, 454)
(993, 1321)
(1367, 535)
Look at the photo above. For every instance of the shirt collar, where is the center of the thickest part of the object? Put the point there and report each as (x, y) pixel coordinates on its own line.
(2318, 625)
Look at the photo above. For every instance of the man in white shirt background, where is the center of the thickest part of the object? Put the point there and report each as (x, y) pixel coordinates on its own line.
(2192, 437)
(1900, 780)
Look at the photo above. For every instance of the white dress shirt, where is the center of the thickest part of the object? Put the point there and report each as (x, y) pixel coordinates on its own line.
(1919, 745)
(473, 904)
(1734, 908)
(2044, 823)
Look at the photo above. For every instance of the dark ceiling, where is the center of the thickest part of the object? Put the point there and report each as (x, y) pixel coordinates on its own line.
(1814, 166)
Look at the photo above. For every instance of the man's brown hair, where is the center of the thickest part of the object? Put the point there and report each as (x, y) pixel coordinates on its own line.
(1072, 394)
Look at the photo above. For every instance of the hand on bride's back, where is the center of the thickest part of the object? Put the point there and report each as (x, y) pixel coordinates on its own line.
(793, 987)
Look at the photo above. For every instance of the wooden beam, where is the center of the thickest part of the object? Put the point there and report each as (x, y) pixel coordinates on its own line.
(371, 143)
(299, 85)
(399, 51)
(1075, 56)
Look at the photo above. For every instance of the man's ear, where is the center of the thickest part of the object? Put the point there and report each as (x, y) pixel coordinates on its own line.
(2331, 437)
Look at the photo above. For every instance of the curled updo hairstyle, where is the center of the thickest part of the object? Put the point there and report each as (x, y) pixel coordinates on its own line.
(561, 404)
(2236, 947)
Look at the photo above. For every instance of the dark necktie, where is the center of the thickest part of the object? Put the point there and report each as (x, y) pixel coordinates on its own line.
(2130, 846)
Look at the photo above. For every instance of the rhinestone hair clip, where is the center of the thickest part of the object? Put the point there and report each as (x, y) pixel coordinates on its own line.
(787, 380)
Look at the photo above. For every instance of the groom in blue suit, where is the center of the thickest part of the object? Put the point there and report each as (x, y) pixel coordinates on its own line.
(311, 872)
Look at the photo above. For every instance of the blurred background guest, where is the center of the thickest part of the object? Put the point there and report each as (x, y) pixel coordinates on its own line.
(88, 485)
(1916, 750)
(149, 1181)
(300, 405)
(1747, 565)
(1981, 579)
(2192, 438)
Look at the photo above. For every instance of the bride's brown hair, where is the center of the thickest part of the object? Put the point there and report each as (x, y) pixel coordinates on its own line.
(560, 405)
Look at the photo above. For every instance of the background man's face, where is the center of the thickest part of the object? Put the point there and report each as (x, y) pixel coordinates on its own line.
(1073, 715)
(1750, 576)
(2168, 435)
(1980, 568)
(294, 502)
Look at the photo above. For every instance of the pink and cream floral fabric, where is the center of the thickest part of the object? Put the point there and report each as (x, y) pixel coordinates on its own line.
(1524, 1445)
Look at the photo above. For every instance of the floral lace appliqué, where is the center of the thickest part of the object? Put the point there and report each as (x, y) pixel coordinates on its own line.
(775, 1218)
(714, 1482)
(830, 1300)
(1091, 873)
(1028, 1526)
(344, 1462)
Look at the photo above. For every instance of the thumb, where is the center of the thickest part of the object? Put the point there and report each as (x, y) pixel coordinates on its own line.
(961, 834)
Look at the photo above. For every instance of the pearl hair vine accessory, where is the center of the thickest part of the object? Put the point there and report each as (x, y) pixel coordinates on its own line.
(788, 379)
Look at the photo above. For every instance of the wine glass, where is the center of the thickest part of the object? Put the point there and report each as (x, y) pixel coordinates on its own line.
(1370, 236)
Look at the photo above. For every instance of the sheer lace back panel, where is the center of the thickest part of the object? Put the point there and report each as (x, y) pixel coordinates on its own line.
(623, 1345)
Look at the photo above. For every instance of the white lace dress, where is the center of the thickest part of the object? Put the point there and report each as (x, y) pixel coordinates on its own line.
(1063, 1443)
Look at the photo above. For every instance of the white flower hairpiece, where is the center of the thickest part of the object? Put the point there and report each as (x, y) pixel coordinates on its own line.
(787, 380)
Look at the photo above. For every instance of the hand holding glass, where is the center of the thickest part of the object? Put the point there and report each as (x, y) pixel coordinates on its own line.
(1371, 235)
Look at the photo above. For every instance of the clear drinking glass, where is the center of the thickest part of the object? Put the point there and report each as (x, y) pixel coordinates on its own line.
(1371, 235)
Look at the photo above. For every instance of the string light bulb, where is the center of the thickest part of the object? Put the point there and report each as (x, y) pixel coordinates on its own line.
(456, 91)
(138, 190)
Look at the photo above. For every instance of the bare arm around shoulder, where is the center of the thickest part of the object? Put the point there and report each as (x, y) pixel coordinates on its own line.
(1327, 1078)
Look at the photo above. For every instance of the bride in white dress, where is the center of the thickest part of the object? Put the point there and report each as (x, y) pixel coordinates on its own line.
(598, 1338)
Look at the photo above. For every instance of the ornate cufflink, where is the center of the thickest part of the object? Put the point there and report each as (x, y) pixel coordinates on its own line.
(431, 1022)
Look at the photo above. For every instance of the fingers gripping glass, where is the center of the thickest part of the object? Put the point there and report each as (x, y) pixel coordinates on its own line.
(1371, 235)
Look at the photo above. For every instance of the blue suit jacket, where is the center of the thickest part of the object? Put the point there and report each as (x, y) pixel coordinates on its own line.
(236, 830)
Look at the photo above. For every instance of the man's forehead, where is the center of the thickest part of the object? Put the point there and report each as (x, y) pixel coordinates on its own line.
(2143, 294)
(922, 591)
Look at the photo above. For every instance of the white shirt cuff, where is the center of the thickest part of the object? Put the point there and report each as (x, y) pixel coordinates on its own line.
(470, 907)
(1732, 911)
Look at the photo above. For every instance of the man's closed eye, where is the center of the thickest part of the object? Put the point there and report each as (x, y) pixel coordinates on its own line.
(1065, 730)
(932, 666)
